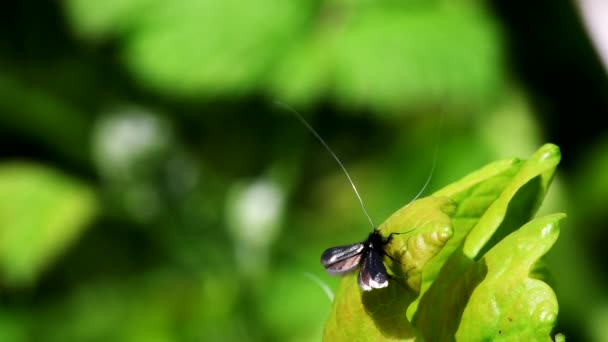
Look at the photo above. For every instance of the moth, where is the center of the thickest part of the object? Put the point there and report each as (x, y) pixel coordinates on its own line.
(367, 254)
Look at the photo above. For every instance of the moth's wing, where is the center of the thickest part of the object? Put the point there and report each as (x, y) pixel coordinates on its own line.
(338, 260)
(373, 273)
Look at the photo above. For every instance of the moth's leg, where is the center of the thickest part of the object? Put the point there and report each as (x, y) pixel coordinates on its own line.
(390, 236)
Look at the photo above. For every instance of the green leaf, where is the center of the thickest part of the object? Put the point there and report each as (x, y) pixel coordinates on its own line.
(452, 253)
(193, 48)
(393, 57)
(381, 55)
(508, 303)
(41, 212)
(99, 19)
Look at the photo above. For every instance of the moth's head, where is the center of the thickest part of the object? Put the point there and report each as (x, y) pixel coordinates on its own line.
(375, 239)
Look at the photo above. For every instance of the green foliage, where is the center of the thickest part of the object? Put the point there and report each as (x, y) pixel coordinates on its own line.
(193, 206)
(42, 212)
(465, 271)
(378, 55)
(508, 302)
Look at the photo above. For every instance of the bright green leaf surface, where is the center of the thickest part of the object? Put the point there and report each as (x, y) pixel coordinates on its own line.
(517, 202)
(508, 303)
(439, 276)
(41, 212)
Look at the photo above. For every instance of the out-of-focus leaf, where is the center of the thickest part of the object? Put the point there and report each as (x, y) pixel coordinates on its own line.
(100, 19)
(481, 209)
(306, 72)
(196, 47)
(41, 212)
(160, 306)
(187, 47)
(390, 57)
(592, 185)
(394, 58)
(13, 326)
(43, 118)
(297, 321)
(381, 56)
(511, 128)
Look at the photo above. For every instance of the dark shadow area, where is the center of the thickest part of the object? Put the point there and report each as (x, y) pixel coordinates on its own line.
(387, 307)
(442, 305)
(520, 210)
(553, 57)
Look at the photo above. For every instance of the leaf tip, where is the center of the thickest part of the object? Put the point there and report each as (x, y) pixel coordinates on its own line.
(552, 226)
(560, 338)
(549, 151)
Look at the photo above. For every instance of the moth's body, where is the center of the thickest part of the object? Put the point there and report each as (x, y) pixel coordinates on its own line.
(367, 255)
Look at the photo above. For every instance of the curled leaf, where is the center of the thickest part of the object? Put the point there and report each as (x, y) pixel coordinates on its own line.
(509, 303)
(464, 257)
(41, 212)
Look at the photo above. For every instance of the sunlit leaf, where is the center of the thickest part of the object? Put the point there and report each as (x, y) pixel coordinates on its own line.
(41, 212)
(442, 262)
(508, 303)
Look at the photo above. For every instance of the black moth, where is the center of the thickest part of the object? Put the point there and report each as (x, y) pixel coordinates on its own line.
(367, 254)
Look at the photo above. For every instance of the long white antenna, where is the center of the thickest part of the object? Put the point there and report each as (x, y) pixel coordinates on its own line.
(312, 130)
(320, 282)
(428, 179)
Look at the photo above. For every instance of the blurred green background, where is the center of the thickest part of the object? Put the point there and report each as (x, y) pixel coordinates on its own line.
(150, 190)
